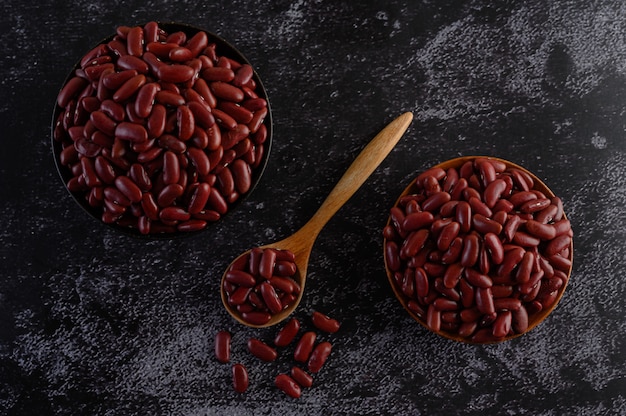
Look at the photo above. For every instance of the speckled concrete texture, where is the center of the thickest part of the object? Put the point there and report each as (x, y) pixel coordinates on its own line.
(97, 323)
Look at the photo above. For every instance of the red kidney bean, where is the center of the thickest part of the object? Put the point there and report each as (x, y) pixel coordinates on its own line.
(484, 300)
(131, 132)
(261, 350)
(240, 278)
(444, 304)
(129, 88)
(173, 214)
(471, 249)
(477, 279)
(288, 385)
(558, 244)
(325, 323)
(485, 225)
(452, 254)
(416, 220)
(103, 122)
(494, 191)
(271, 298)
(240, 378)
(239, 297)
(447, 235)
(171, 168)
(510, 304)
(267, 263)
(222, 346)
(435, 201)
(256, 317)
(303, 378)
(174, 73)
(145, 99)
(436, 172)
(512, 258)
(433, 318)
(237, 112)
(502, 324)
(201, 114)
(226, 91)
(534, 205)
(130, 62)
(452, 275)
(169, 194)
(520, 198)
(104, 170)
(479, 207)
(89, 172)
(414, 243)
(70, 90)
(560, 262)
(525, 240)
(540, 230)
(431, 185)
(562, 227)
(494, 248)
(130, 190)
(525, 267)
(422, 284)
(319, 356)
(217, 73)
(199, 198)
(288, 333)
(243, 75)
(305, 346)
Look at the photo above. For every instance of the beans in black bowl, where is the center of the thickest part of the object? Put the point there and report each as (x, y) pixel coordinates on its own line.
(161, 129)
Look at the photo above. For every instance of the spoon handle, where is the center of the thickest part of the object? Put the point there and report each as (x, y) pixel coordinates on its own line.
(358, 172)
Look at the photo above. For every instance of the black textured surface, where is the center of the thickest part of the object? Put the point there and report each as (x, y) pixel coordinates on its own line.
(94, 322)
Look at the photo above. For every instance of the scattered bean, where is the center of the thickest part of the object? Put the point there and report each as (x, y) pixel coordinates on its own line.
(240, 378)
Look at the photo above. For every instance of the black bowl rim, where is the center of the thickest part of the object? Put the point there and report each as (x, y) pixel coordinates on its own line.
(224, 48)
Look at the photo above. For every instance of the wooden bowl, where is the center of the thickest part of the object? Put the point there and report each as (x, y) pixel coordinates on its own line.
(422, 309)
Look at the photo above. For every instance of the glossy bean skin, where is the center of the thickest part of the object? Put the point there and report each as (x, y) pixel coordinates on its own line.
(141, 79)
(223, 346)
(271, 298)
(305, 346)
(288, 333)
(303, 378)
(288, 385)
(268, 261)
(318, 357)
(261, 350)
(240, 378)
(256, 317)
(325, 323)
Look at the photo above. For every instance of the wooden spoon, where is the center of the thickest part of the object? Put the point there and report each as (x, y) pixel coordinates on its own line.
(301, 242)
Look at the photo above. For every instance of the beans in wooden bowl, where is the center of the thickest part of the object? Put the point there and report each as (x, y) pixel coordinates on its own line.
(478, 249)
(161, 129)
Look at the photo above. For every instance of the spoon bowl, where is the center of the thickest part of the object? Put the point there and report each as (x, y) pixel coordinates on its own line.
(301, 242)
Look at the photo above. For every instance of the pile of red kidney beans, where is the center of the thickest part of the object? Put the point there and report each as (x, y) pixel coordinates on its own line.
(309, 355)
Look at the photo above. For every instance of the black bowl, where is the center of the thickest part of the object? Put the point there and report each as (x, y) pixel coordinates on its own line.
(128, 222)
